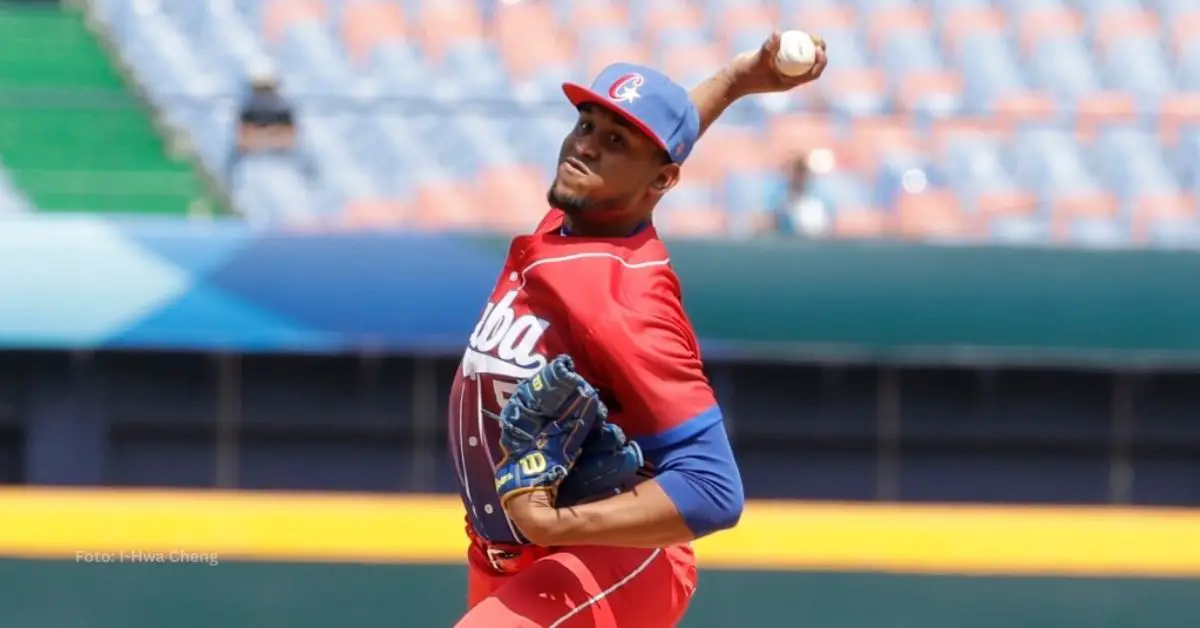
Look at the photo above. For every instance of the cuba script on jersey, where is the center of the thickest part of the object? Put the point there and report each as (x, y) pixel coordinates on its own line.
(508, 345)
(513, 338)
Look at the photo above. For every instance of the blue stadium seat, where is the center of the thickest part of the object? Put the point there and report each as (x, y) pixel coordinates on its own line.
(1049, 162)
(1099, 233)
(752, 192)
(1183, 234)
(1024, 231)
(990, 71)
(1130, 161)
(840, 190)
(1188, 68)
(1061, 65)
(974, 166)
(1138, 65)
(1187, 159)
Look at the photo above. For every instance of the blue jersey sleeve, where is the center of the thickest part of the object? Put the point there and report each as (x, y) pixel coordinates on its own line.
(698, 472)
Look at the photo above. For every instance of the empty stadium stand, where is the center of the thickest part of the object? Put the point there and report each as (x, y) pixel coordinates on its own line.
(71, 134)
(1016, 121)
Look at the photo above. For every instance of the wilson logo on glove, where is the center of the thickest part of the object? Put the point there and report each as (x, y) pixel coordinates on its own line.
(543, 427)
(534, 463)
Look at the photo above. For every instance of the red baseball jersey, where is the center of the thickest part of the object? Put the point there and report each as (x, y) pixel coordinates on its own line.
(614, 306)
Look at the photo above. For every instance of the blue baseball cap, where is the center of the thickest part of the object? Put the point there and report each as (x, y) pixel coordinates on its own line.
(647, 99)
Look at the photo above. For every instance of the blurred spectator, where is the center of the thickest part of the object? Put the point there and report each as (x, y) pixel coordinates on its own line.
(797, 212)
(266, 124)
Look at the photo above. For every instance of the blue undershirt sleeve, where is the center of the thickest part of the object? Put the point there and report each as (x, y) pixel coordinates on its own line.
(698, 472)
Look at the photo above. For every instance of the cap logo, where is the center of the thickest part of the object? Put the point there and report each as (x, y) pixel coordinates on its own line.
(624, 89)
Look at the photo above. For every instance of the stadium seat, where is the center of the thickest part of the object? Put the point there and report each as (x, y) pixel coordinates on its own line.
(1075, 122)
(1176, 234)
(365, 24)
(990, 71)
(1149, 211)
(860, 223)
(931, 215)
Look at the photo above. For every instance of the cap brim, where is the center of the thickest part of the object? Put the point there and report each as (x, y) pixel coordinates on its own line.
(579, 95)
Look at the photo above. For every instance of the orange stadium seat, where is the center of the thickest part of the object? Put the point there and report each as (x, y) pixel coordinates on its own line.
(1177, 110)
(687, 60)
(1114, 24)
(887, 20)
(965, 22)
(366, 23)
(931, 214)
(821, 19)
(445, 22)
(792, 134)
(1185, 29)
(596, 14)
(511, 198)
(445, 205)
(860, 223)
(992, 205)
(693, 222)
(870, 137)
(598, 57)
(280, 15)
(529, 39)
(1038, 23)
(373, 214)
(525, 57)
(724, 149)
(853, 81)
(1069, 208)
(1096, 110)
(671, 16)
(918, 85)
(740, 18)
(1030, 106)
(1151, 209)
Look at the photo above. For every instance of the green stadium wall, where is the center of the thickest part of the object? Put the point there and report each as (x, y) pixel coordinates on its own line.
(944, 303)
(300, 560)
(232, 595)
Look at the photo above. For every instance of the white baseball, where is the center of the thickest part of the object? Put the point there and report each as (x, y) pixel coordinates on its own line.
(797, 53)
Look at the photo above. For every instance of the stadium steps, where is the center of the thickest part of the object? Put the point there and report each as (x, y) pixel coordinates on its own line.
(72, 134)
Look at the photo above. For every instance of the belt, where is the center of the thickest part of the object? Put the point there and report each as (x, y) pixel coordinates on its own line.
(503, 558)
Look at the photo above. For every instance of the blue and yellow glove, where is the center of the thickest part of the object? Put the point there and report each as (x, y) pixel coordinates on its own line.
(543, 428)
(609, 462)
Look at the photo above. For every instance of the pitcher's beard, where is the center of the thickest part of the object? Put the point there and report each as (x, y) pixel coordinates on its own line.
(577, 206)
(569, 204)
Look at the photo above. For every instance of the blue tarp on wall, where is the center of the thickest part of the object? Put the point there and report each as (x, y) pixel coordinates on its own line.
(85, 283)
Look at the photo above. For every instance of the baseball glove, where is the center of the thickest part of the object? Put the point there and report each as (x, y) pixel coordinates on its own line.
(543, 428)
(608, 463)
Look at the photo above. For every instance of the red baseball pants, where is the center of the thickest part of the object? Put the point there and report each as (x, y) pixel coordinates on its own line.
(583, 587)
